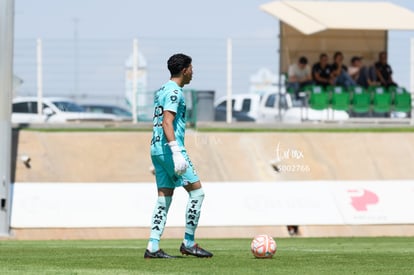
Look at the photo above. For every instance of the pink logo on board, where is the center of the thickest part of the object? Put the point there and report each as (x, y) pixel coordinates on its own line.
(360, 200)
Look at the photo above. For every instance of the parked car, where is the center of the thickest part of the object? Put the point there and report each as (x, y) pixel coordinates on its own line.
(122, 113)
(242, 107)
(272, 106)
(221, 115)
(54, 110)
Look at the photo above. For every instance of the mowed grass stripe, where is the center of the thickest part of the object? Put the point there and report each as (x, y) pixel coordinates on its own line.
(232, 256)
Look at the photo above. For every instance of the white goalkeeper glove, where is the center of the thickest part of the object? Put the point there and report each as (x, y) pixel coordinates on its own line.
(180, 164)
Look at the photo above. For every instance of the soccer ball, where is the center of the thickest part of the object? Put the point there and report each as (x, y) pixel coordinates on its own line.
(263, 246)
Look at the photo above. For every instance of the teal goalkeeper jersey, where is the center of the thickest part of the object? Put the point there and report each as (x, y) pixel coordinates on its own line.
(169, 97)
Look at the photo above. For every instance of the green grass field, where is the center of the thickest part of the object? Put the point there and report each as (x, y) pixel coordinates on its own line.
(232, 256)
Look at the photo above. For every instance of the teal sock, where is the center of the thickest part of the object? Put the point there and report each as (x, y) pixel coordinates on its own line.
(158, 220)
(192, 215)
(189, 240)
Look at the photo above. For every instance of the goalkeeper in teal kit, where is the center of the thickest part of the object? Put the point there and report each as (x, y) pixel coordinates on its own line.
(173, 167)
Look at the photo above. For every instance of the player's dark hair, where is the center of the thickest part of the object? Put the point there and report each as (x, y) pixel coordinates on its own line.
(177, 63)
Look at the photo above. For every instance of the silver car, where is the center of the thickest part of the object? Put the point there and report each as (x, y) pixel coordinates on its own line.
(54, 110)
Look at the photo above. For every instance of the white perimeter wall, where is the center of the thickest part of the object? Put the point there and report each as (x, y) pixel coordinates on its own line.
(72, 205)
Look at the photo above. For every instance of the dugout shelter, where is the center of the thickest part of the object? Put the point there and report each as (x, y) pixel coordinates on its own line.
(309, 28)
(360, 28)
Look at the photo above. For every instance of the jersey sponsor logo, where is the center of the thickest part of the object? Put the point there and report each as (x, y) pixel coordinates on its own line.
(156, 139)
(158, 113)
(173, 98)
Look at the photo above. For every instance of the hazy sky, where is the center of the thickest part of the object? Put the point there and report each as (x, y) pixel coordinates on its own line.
(142, 18)
(146, 18)
(127, 19)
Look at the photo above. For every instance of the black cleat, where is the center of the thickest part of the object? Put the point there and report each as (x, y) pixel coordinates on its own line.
(160, 254)
(195, 251)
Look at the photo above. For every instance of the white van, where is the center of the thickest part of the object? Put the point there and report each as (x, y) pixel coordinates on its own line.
(268, 108)
(54, 110)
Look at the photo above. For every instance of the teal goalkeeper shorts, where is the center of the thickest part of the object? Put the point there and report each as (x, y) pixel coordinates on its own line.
(165, 175)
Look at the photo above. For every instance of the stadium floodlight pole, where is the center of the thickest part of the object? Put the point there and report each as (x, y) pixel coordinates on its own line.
(76, 57)
(6, 87)
(412, 80)
(39, 59)
(229, 110)
(134, 80)
(281, 52)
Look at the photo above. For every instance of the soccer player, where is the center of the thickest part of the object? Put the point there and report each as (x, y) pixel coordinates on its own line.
(173, 167)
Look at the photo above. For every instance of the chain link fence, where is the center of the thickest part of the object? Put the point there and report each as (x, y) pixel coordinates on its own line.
(99, 71)
(96, 71)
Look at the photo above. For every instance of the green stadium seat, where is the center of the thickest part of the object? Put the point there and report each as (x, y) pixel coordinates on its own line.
(341, 101)
(377, 90)
(357, 90)
(319, 100)
(382, 103)
(315, 89)
(361, 101)
(402, 102)
(397, 90)
(335, 89)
